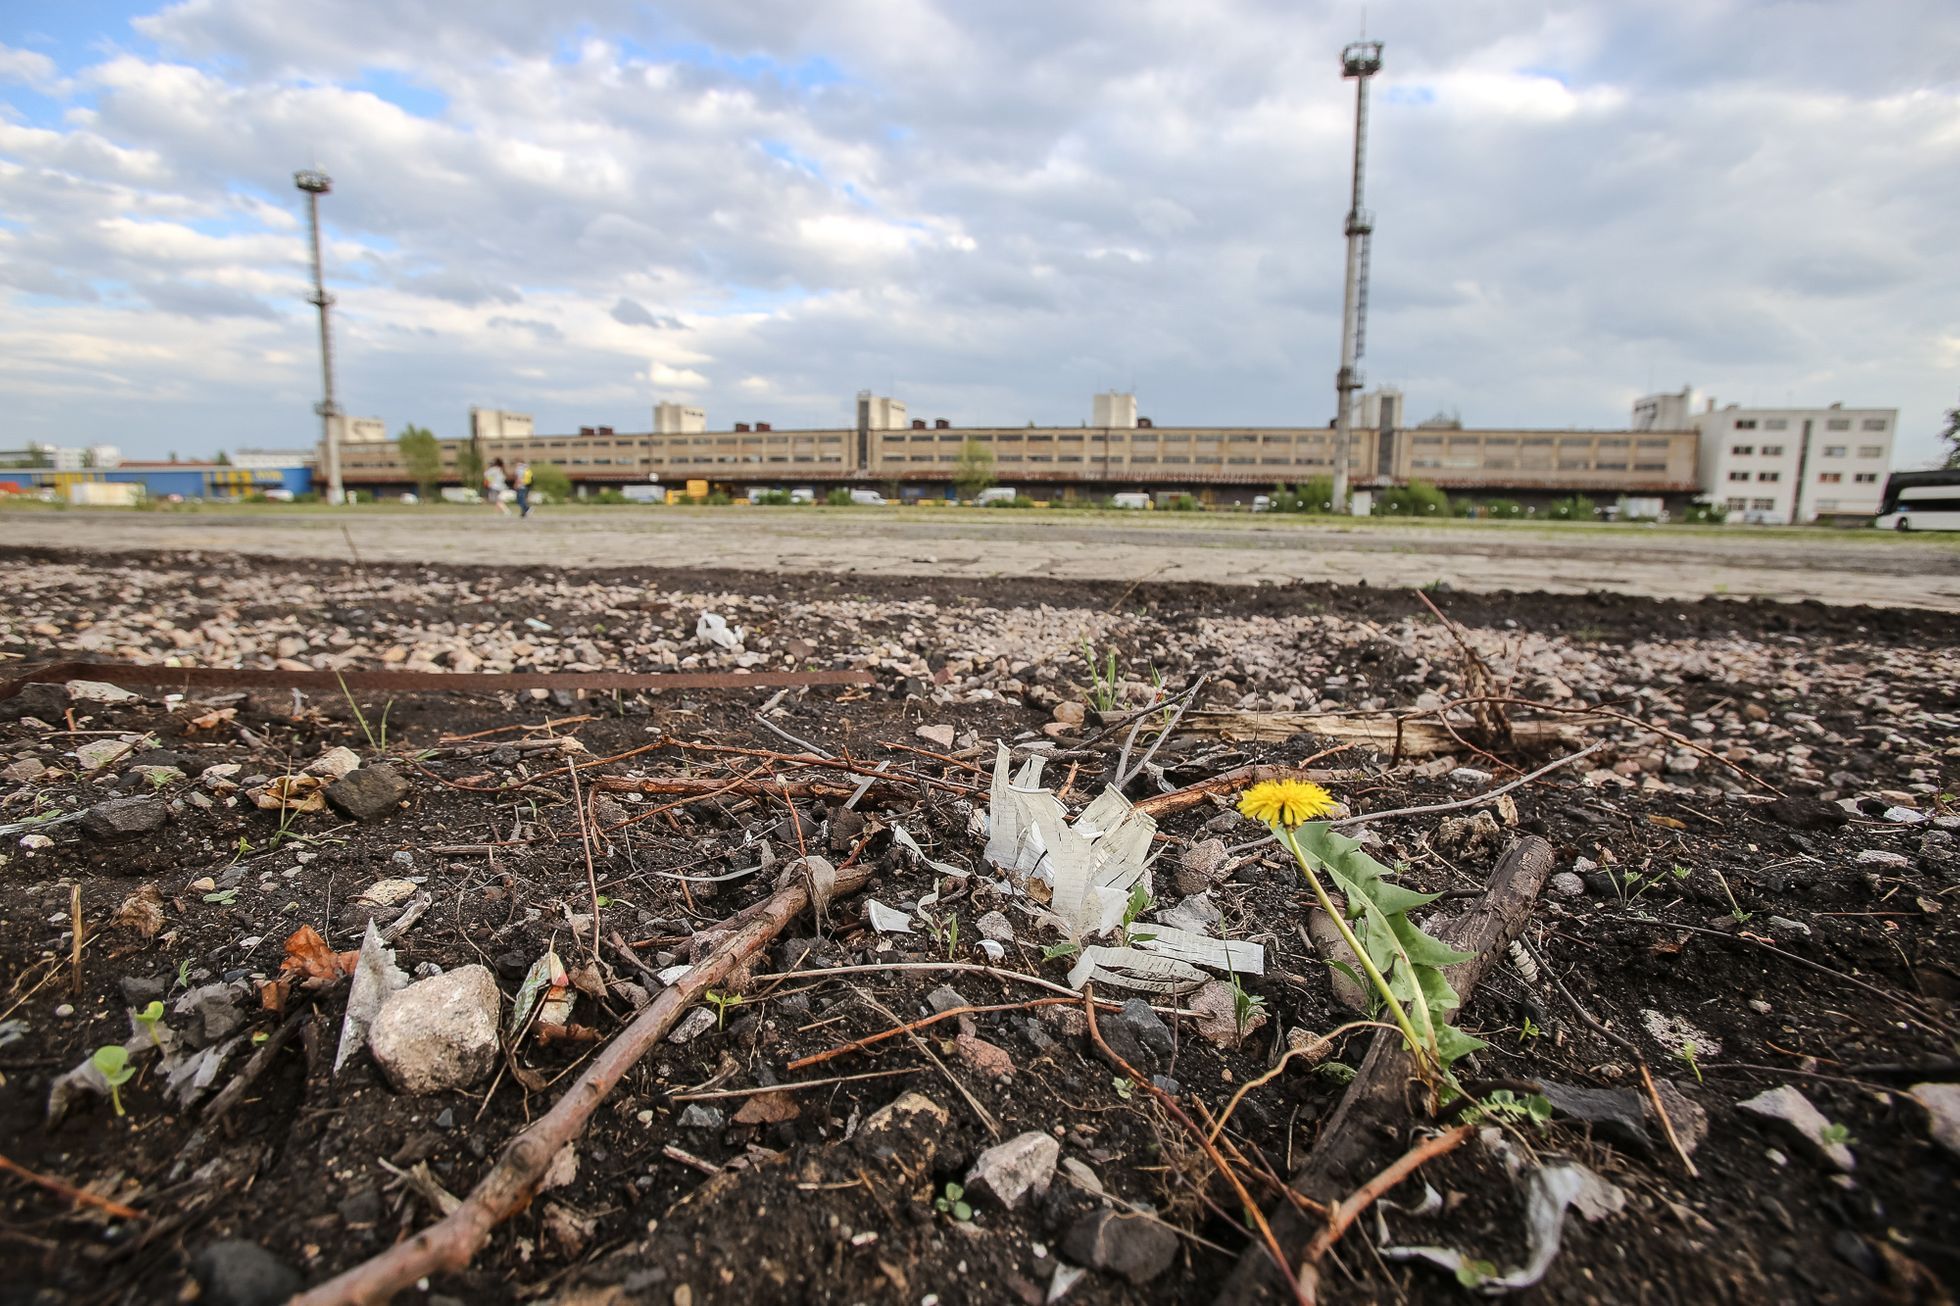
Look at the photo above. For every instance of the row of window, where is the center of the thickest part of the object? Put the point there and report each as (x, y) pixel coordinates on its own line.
(1823, 478)
(1830, 424)
(1828, 451)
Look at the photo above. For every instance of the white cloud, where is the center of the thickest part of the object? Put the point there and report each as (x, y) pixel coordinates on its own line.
(569, 209)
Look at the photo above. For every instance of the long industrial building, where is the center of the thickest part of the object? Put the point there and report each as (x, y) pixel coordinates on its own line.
(1122, 451)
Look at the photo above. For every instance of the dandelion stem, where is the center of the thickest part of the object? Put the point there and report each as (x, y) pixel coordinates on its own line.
(1423, 1052)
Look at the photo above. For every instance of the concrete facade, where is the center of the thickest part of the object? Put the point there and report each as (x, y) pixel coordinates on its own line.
(361, 430)
(676, 419)
(1114, 409)
(1783, 465)
(497, 424)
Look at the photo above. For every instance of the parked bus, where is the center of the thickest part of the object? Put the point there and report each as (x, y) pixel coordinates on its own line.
(1921, 501)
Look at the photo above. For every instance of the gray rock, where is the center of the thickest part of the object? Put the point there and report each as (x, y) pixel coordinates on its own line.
(1138, 1035)
(945, 998)
(97, 691)
(1567, 885)
(140, 991)
(1134, 1246)
(1806, 814)
(939, 736)
(368, 793)
(1019, 1168)
(124, 818)
(1684, 1113)
(1942, 1103)
(439, 1033)
(234, 1272)
(1790, 1106)
(1617, 1114)
(42, 702)
(1202, 866)
(1884, 857)
(98, 753)
(696, 1116)
(995, 925)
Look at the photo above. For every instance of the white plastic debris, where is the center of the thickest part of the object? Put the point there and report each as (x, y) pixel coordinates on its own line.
(903, 838)
(375, 977)
(1548, 1194)
(713, 628)
(886, 920)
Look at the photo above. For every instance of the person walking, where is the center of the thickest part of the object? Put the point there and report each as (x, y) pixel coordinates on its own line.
(521, 477)
(495, 483)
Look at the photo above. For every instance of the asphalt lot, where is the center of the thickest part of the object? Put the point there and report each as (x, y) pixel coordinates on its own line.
(1662, 562)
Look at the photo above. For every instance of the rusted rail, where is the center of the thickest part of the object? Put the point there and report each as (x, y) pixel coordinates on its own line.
(129, 674)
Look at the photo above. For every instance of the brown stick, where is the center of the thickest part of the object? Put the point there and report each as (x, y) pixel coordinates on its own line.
(1178, 800)
(1364, 1197)
(1377, 1092)
(1667, 1125)
(449, 1244)
(62, 1188)
(951, 1013)
(1252, 1211)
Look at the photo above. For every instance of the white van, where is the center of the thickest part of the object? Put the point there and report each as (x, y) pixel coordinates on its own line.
(997, 494)
(867, 497)
(803, 494)
(1130, 499)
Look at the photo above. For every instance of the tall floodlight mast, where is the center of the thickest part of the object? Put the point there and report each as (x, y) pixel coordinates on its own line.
(315, 184)
(1360, 60)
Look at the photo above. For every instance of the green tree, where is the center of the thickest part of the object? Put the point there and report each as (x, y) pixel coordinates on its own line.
(1416, 499)
(422, 456)
(973, 471)
(550, 479)
(1316, 494)
(223, 459)
(469, 465)
(1952, 437)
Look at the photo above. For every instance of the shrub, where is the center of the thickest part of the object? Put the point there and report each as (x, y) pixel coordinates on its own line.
(772, 499)
(1183, 503)
(550, 479)
(718, 499)
(1576, 508)
(838, 498)
(1504, 509)
(608, 497)
(1705, 514)
(1018, 501)
(1416, 499)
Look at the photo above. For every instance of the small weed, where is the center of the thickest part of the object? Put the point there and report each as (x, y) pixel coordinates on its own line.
(1503, 1104)
(1066, 948)
(953, 1202)
(1102, 679)
(1735, 908)
(1687, 1054)
(1139, 903)
(721, 1002)
(1529, 1029)
(1834, 1136)
(1124, 1086)
(1245, 1006)
(183, 975)
(150, 1017)
(223, 897)
(376, 743)
(112, 1062)
(952, 937)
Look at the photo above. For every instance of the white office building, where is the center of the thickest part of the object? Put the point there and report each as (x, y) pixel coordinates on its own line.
(1779, 466)
(497, 424)
(1114, 410)
(677, 419)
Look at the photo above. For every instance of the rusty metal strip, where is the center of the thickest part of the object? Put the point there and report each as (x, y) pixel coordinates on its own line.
(128, 674)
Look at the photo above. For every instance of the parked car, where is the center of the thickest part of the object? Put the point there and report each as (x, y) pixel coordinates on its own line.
(1130, 499)
(803, 494)
(997, 494)
(867, 497)
(279, 494)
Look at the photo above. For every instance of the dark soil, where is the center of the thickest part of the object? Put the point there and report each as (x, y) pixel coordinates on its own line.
(804, 1211)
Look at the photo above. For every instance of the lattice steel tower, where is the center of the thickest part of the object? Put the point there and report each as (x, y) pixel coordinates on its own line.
(1360, 60)
(315, 184)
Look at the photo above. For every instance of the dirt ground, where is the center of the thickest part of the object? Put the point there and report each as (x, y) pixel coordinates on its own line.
(1731, 941)
(1831, 567)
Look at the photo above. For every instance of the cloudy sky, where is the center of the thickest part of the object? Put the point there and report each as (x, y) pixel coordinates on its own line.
(989, 209)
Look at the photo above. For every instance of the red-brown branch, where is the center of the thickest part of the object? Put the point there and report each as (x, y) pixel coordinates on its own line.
(62, 1188)
(449, 1244)
(1344, 1215)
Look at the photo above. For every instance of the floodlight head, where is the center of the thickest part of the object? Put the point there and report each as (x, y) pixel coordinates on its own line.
(312, 181)
(1361, 59)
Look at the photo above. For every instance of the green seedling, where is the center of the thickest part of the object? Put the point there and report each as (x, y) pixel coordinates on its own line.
(952, 1202)
(721, 1003)
(1124, 1086)
(112, 1062)
(1102, 679)
(150, 1017)
(1503, 1104)
(1139, 902)
(376, 743)
(183, 975)
(1687, 1054)
(1735, 908)
(1834, 1136)
(952, 937)
(1245, 1006)
(1529, 1029)
(223, 897)
(1066, 948)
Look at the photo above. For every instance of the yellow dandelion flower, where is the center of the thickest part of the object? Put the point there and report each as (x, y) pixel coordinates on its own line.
(1285, 802)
